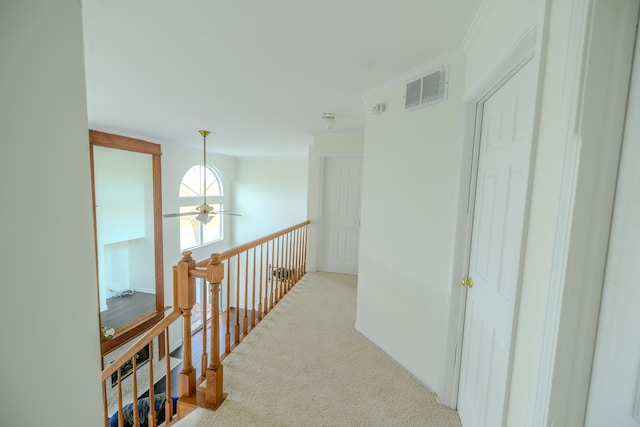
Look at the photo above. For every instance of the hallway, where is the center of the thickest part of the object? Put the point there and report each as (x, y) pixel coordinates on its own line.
(305, 364)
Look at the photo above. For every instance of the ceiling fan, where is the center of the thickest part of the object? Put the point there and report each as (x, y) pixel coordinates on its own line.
(204, 213)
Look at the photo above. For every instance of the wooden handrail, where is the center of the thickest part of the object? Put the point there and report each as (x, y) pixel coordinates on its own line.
(149, 336)
(198, 273)
(250, 245)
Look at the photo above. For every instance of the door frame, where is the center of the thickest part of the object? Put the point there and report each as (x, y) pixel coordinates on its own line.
(594, 125)
(321, 187)
(524, 50)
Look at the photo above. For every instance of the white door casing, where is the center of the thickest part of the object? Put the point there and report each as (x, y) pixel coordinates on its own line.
(340, 214)
(496, 244)
(614, 396)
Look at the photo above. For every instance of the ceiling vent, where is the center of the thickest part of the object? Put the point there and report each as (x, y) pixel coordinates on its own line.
(427, 90)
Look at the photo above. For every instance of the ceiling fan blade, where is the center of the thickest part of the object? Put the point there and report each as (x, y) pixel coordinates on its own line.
(172, 215)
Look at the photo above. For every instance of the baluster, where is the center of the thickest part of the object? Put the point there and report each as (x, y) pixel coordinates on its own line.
(304, 252)
(105, 405)
(186, 301)
(245, 320)
(294, 257)
(280, 265)
(272, 277)
(290, 261)
(300, 251)
(253, 292)
(227, 336)
(214, 374)
(299, 257)
(168, 405)
(285, 264)
(134, 377)
(237, 327)
(152, 420)
(260, 287)
(120, 414)
(285, 249)
(203, 316)
(277, 272)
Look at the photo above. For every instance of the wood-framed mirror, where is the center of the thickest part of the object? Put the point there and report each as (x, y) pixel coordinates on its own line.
(127, 196)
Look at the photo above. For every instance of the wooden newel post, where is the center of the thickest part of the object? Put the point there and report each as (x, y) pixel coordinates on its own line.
(214, 391)
(186, 299)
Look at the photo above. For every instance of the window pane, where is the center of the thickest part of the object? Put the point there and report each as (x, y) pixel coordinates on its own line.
(190, 185)
(213, 186)
(193, 182)
(212, 231)
(189, 229)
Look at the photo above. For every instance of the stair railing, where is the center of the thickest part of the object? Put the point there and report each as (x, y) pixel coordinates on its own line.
(258, 276)
(245, 283)
(129, 358)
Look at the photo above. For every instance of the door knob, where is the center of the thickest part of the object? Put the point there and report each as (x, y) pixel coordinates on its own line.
(467, 281)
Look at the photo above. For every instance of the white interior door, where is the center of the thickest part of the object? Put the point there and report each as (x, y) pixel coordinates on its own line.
(614, 396)
(340, 214)
(496, 244)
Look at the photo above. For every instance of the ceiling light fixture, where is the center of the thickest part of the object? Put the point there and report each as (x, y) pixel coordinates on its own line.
(329, 120)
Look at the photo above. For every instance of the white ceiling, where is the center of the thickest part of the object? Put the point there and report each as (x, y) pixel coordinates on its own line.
(258, 74)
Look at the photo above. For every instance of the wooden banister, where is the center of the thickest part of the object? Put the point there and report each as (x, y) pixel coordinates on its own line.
(186, 301)
(214, 375)
(129, 356)
(254, 243)
(279, 265)
(149, 336)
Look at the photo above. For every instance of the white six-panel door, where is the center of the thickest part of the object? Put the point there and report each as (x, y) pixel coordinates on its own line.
(614, 396)
(496, 245)
(340, 215)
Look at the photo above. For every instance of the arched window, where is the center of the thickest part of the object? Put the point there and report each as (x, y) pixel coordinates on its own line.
(193, 233)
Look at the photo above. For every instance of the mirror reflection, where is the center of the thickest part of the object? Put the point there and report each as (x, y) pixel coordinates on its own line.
(125, 235)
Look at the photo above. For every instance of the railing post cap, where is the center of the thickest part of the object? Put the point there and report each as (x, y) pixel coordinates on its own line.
(186, 256)
(215, 259)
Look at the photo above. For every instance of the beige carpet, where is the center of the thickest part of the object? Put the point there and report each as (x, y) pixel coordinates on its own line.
(306, 365)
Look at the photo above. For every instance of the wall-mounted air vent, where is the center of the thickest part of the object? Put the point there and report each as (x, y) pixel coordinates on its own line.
(427, 90)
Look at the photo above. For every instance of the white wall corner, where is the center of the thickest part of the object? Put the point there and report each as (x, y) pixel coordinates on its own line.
(401, 363)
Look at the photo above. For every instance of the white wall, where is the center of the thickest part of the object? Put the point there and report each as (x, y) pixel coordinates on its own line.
(409, 178)
(271, 194)
(50, 362)
(420, 244)
(325, 144)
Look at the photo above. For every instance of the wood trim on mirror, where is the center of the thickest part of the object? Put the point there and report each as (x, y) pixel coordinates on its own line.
(145, 322)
